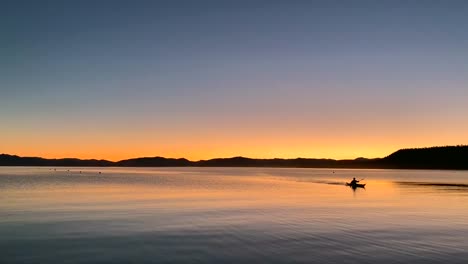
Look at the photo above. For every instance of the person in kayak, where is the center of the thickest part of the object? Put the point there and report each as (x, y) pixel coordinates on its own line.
(353, 182)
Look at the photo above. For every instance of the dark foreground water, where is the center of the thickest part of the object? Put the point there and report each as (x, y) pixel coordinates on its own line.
(231, 215)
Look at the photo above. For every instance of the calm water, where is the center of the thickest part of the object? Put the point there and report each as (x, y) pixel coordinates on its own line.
(231, 215)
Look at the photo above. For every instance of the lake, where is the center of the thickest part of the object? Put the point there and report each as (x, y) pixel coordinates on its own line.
(232, 215)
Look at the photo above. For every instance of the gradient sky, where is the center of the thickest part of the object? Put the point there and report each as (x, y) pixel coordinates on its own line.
(204, 79)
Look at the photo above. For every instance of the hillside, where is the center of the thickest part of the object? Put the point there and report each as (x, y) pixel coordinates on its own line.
(449, 157)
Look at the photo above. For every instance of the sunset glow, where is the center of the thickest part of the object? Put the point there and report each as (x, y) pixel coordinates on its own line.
(278, 79)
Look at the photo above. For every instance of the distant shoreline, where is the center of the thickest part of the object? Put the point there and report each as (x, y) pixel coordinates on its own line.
(433, 158)
(241, 167)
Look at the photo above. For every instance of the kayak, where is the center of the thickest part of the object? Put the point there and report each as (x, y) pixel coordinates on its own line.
(356, 185)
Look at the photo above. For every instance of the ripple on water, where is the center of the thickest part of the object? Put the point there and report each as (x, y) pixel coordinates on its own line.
(179, 215)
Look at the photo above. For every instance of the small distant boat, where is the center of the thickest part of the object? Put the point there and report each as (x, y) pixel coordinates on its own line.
(356, 185)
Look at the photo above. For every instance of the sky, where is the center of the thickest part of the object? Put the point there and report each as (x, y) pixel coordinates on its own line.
(205, 79)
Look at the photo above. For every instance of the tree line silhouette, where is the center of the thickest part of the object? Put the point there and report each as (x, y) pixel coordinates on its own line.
(445, 157)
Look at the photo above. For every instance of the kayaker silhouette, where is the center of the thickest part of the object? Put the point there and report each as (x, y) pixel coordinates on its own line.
(354, 184)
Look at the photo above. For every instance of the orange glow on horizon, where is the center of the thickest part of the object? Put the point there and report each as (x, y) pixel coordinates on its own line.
(194, 152)
(272, 139)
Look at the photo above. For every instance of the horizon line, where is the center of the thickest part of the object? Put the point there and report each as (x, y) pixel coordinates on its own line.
(176, 158)
(237, 156)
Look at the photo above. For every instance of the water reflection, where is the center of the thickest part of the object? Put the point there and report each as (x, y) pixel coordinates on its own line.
(436, 186)
(214, 215)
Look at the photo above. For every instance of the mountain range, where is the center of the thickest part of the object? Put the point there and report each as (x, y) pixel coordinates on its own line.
(447, 157)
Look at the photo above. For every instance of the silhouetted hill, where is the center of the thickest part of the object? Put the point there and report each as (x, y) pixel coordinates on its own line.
(297, 163)
(13, 160)
(450, 157)
(154, 162)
